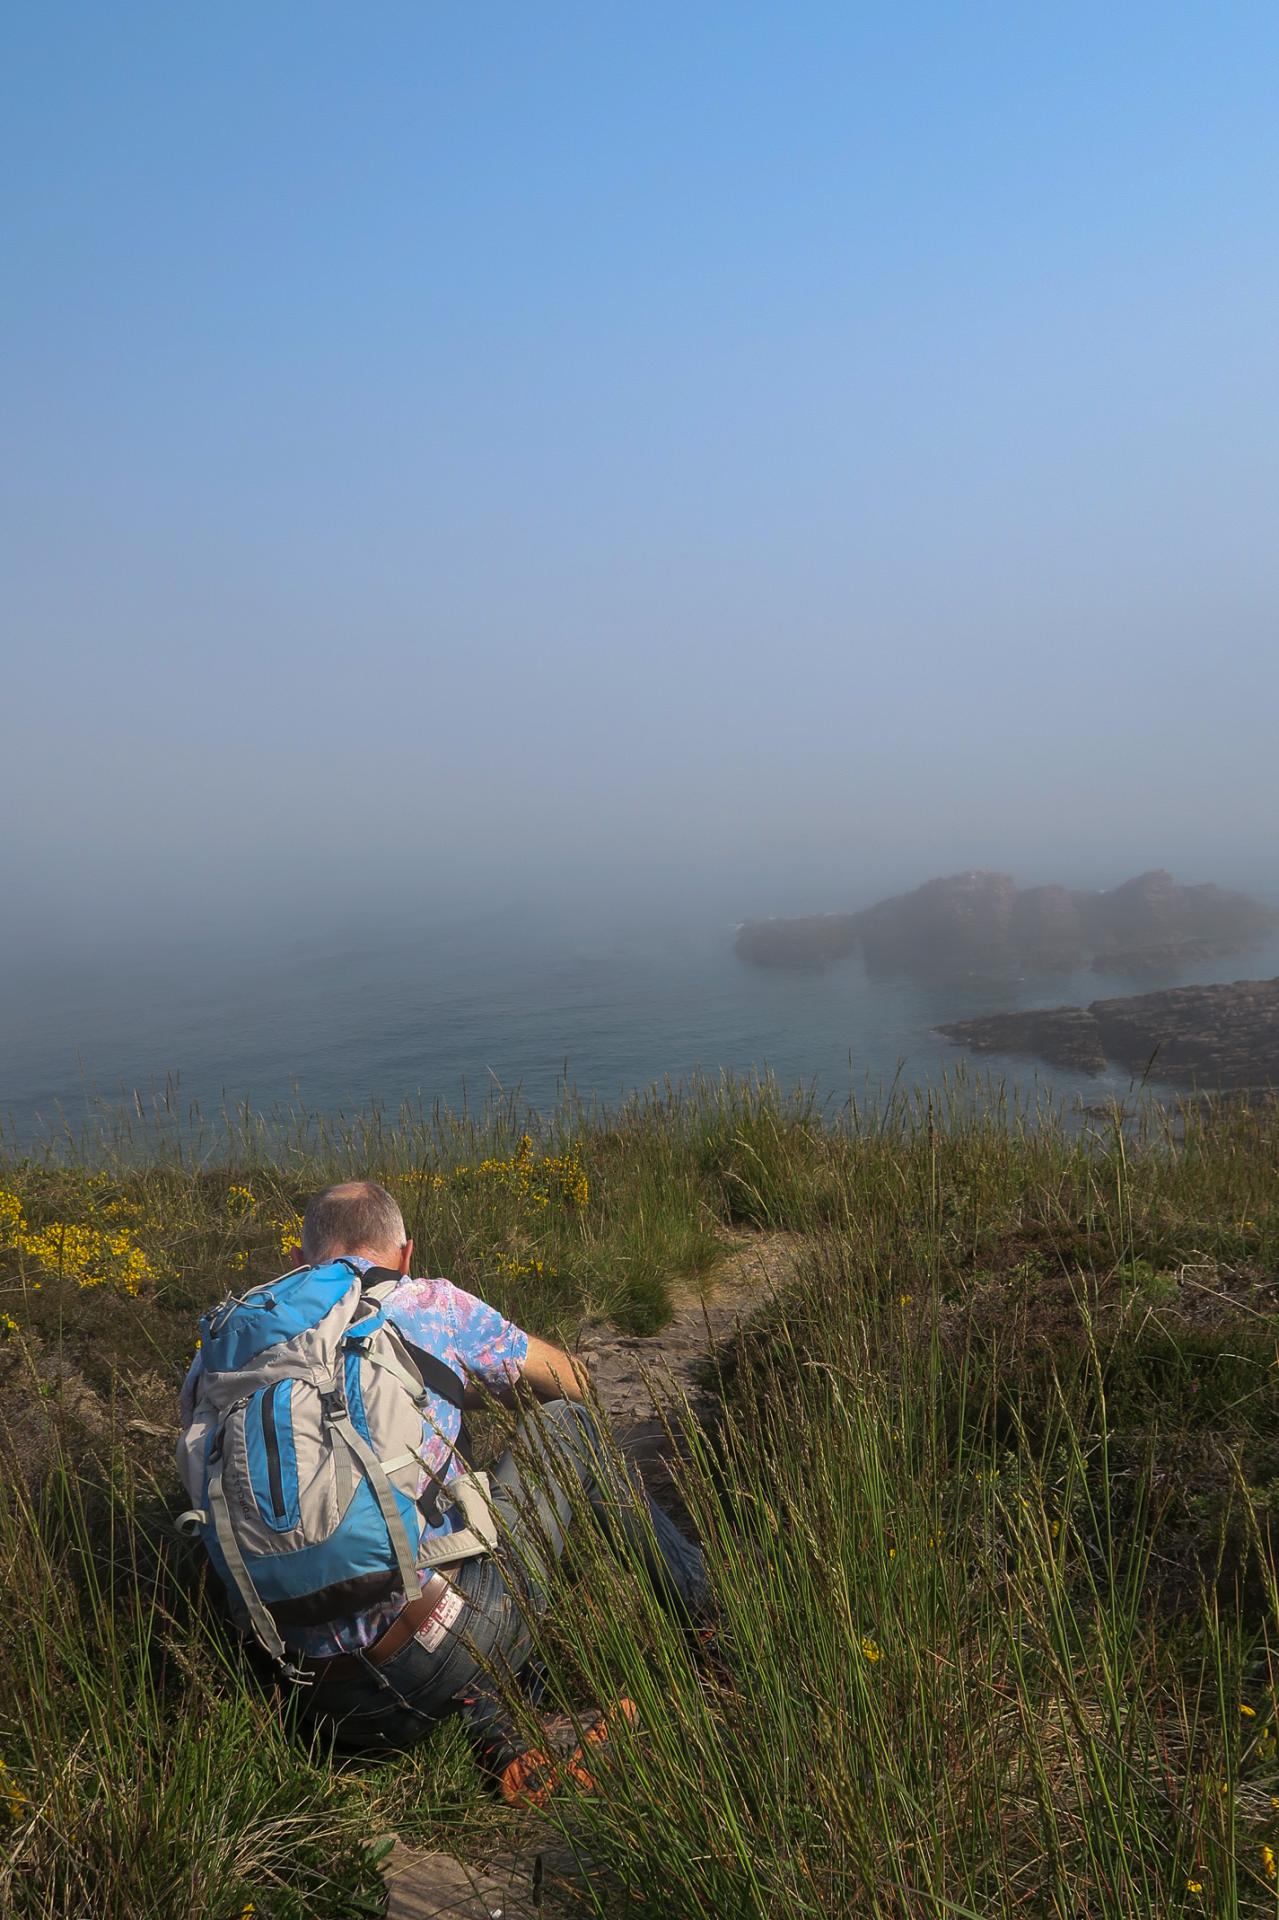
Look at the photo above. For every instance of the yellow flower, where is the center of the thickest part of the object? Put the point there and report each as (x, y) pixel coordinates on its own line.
(1250, 1712)
(8, 1324)
(12, 1223)
(89, 1257)
(512, 1268)
(12, 1799)
(530, 1178)
(1194, 1886)
(1268, 1862)
(240, 1200)
(290, 1232)
(905, 1299)
(870, 1649)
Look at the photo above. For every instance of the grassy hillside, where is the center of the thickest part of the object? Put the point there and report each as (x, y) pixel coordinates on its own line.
(987, 1512)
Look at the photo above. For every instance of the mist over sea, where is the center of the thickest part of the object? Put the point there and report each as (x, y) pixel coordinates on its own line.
(457, 1006)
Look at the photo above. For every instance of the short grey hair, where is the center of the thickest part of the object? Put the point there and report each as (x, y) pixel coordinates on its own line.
(354, 1217)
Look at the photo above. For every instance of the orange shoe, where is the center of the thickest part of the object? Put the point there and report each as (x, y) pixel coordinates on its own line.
(532, 1777)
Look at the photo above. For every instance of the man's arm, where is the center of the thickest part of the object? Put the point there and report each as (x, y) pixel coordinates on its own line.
(548, 1373)
(552, 1374)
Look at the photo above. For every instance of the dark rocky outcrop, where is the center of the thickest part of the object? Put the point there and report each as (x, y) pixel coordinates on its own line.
(1153, 918)
(802, 944)
(1063, 1036)
(983, 923)
(962, 923)
(1216, 1036)
(1049, 928)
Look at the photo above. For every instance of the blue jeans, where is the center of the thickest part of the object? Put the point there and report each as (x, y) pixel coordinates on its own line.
(396, 1704)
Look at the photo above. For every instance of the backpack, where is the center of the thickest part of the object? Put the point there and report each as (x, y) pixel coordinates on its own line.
(304, 1453)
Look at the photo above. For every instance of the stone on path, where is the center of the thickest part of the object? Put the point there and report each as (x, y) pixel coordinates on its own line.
(422, 1885)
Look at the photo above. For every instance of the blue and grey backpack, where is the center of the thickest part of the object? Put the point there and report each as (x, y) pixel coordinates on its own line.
(304, 1454)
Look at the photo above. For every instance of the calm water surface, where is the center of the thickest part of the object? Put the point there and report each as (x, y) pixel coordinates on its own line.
(489, 1001)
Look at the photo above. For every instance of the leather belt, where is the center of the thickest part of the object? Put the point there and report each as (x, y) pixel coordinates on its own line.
(392, 1640)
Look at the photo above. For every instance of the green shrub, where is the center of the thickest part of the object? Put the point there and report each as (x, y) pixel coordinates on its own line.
(987, 1510)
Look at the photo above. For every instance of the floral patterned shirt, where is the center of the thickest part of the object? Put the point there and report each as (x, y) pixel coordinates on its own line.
(472, 1338)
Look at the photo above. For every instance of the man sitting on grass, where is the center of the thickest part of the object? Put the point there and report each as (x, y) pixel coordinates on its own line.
(383, 1674)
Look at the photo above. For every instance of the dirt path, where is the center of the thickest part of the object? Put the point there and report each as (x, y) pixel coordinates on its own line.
(630, 1372)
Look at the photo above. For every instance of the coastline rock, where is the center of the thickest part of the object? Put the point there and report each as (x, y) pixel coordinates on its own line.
(1061, 1036)
(982, 923)
(802, 944)
(1152, 919)
(1048, 929)
(963, 921)
(1224, 1036)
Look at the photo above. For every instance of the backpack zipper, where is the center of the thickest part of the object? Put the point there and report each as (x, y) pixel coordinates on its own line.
(274, 1476)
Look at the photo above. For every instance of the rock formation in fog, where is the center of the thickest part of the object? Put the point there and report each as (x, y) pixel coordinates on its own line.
(983, 923)
(1217, 1036)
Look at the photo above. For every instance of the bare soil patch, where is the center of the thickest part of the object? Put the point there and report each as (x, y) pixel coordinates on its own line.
(638, 1376)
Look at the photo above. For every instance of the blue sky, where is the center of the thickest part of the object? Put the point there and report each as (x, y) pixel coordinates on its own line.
(767, 449)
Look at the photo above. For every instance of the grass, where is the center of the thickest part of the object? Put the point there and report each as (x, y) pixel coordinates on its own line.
(986, 1503)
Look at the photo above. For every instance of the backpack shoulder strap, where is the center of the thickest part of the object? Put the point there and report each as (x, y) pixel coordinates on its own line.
(435, 1374)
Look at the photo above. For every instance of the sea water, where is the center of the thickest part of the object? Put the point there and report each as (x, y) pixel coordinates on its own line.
(496, 1001)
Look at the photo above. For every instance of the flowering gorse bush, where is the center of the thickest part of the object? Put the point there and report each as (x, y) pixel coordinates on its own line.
(528, 1175)
(88, 1255)
(526, 1201)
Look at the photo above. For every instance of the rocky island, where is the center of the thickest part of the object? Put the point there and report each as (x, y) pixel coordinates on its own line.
(1223, 1036)
(983, 923)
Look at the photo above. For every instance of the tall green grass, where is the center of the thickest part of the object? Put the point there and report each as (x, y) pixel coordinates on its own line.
(986, 1508)
(941, 1679)
(142, 1775)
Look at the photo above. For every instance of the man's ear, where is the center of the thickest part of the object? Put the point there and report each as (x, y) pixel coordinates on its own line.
(294, 1255)
(406, 1257)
